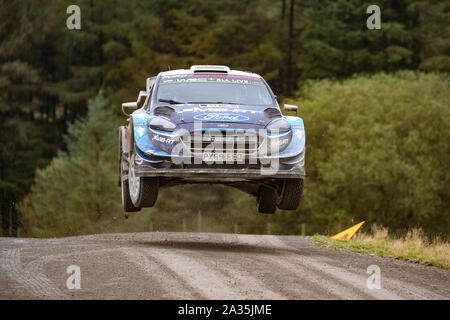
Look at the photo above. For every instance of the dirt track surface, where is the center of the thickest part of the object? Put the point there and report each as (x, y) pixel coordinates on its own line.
(163, 265)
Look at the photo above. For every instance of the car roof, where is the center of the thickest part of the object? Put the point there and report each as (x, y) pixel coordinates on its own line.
(205, 70)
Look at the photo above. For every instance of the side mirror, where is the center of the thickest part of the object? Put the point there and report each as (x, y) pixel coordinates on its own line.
(142, 95)
(291, 107)
(129, 106)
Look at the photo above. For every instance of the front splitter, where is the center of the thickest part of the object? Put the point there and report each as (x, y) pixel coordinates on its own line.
(212, 174)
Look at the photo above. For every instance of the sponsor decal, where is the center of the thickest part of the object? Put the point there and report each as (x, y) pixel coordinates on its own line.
(233, 79)
(299, 134)
(140, 131)
(228, 76)
(221, 117)
(218, 105)
(279, 142)
(210, 79)
(220, 109)
(244, 81)
(163, 139)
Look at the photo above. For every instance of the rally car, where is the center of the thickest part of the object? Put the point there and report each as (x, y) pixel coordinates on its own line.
(210, 124)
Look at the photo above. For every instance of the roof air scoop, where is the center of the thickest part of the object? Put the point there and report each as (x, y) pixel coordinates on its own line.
(272, 112)
(209, 68)
(163, 111)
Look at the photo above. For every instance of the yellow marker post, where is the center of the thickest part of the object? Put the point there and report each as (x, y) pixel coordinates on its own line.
(348, 233)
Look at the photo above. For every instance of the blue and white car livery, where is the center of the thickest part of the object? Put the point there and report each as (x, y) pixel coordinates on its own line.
(210, 124)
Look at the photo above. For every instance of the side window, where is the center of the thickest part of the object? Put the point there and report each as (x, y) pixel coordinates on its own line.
(150, 83)
(149, 89)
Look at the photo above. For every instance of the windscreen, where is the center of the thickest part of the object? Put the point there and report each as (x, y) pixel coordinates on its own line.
(213, 88)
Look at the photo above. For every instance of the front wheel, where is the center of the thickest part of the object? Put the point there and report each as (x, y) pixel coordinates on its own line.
(127, 204)
(290, 194)
(143, 190)
(266, 200)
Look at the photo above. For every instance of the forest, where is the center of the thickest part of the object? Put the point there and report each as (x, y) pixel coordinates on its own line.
(375, 105)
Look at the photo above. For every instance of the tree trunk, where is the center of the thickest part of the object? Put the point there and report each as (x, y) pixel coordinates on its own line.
(291, 46)
(14, 220)
(5, 217)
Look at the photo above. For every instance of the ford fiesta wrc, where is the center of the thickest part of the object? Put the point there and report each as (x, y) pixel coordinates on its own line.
(210, 124)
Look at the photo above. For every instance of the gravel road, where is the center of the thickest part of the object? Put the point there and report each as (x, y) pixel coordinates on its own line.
(162, 265)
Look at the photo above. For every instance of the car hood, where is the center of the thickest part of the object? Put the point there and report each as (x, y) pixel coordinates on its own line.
(220, 115)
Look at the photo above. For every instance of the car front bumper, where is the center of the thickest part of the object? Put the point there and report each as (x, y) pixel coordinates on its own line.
(272, 167)
(222, 174)
(217, 173)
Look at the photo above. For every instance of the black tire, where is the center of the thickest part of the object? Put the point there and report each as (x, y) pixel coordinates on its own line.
(266, 200)
(126, 200)
(290, 194)
(143, 190)
(148, 192)
(120, 158)
(127, 204)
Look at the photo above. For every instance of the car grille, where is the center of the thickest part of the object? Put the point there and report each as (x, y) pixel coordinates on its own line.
(239, 141)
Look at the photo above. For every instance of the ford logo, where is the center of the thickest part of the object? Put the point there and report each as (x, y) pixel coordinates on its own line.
(220, 117)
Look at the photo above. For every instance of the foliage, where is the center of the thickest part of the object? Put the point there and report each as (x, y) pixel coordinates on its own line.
(79, 187)
(377, 150)
(337, 43)
(48, 73)
(414, 246)
(373, 153)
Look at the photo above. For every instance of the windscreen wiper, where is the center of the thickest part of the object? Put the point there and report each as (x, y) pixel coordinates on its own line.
(194, 102)
(170, 101)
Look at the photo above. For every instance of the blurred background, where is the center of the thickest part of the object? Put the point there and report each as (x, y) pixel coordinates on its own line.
(375, 105)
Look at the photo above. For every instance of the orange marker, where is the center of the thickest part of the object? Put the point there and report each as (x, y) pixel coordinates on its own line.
(348, 233)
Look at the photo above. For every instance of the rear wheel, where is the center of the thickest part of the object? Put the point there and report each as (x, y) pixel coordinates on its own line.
(266, 200)
(290, 194)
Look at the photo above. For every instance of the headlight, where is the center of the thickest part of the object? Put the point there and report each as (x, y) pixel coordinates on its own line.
(278, 126)
(159, 123)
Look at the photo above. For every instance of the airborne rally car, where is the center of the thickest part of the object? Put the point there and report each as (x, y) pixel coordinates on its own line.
(210, 124)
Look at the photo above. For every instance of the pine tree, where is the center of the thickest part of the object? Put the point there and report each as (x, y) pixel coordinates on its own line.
(78, 191)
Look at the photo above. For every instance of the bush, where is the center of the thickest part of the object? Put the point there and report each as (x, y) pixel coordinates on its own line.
(77, 193)
(377, 149)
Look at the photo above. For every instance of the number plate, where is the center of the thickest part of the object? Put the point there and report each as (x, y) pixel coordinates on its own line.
(222, 157)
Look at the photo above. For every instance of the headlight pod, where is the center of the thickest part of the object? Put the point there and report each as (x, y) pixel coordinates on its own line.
(279, 126)
(278, 136)
(162, 124)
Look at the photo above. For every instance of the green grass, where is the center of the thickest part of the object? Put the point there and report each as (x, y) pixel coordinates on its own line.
(413, 247)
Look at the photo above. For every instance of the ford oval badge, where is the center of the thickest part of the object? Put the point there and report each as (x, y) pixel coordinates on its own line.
(220, 117)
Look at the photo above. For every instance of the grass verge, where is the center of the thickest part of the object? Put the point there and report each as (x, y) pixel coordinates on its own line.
(413, 247)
